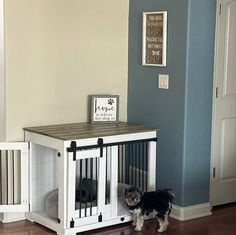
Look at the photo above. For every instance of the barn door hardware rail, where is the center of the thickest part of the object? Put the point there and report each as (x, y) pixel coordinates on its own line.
(100, 144)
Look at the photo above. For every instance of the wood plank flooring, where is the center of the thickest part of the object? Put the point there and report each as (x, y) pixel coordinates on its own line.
(222, 222)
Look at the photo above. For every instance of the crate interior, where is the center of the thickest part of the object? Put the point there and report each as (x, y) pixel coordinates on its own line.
(44, 180)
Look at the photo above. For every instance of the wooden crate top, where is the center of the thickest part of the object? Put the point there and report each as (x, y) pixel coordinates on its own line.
(74, 131)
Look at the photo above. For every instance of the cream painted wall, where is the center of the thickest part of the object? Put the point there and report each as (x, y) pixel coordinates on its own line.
(2, 76)
(57, 53)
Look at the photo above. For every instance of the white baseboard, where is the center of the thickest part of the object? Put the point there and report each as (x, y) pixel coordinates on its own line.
(190, 212)
(179, 213)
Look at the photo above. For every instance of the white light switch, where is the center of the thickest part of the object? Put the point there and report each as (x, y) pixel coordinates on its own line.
(163, 81)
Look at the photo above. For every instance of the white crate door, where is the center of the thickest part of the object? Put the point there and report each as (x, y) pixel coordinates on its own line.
(14, 177)
(86, 188)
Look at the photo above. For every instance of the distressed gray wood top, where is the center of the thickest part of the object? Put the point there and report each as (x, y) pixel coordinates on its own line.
(74, 131)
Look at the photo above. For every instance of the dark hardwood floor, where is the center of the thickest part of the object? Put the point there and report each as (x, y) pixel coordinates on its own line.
(222, 222)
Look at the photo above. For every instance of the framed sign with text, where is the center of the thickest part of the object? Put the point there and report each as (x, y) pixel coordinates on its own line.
(104, 108)
(154, 38)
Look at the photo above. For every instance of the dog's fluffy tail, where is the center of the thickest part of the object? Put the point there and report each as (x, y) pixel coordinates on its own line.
(171, 195)
(168, 193)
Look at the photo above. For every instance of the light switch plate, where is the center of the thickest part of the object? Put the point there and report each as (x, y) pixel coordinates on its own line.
(163, 81)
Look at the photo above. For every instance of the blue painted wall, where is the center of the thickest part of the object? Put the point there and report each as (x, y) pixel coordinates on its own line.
(199, 101)
(172, 110)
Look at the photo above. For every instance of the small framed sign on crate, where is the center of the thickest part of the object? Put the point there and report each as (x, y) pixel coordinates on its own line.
(104, 108)
(154, 38)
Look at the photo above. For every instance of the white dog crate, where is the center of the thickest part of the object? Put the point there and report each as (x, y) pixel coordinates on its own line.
(77, 174)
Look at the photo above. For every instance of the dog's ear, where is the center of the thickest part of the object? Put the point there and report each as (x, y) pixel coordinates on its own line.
(125, 191)
(140, 191)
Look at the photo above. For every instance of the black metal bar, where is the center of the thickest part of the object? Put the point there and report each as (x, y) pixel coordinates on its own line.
(146, 155)
(144, 170)
(73, 149)
(139, 154)
(86, 176)
(127, 163)
(100, 145)
(135, 165)
(132, 162)
(106, 184)
(80, 187)
(109, 144)
(122, 163)
(91, 177)
(96, 176)
(86, 168)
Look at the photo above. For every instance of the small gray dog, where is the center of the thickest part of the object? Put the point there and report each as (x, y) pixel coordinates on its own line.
(141, 204)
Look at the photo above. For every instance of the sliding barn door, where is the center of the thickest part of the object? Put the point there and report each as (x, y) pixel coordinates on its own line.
(14, 177)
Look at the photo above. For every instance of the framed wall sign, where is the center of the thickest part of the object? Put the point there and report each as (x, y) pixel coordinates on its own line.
(154, 38)
(104, 108)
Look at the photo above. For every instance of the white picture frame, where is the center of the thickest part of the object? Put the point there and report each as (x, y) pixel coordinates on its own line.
(104, 108)
(154, 40)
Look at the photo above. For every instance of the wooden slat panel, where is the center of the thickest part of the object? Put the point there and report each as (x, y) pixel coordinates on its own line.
(10, 177)
(4, 177)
